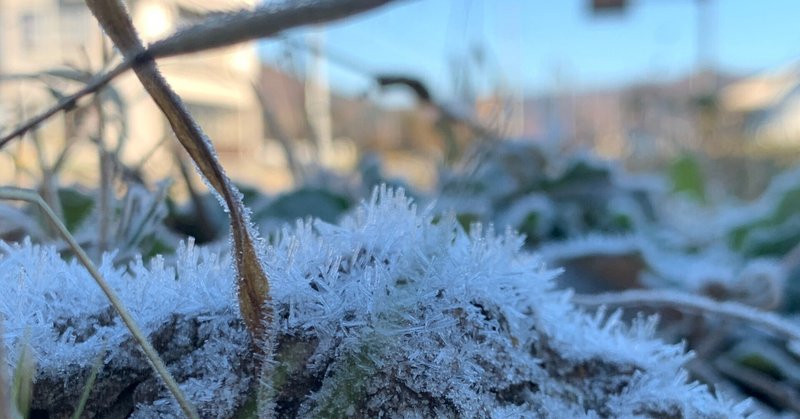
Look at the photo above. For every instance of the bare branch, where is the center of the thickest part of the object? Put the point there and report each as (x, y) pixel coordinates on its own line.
(68, 102)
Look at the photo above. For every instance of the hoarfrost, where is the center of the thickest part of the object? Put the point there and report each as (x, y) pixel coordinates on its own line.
(410, 313)
(392, 311)
(57, 309)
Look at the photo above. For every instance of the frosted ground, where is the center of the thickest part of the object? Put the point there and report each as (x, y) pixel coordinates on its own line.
(398, 313)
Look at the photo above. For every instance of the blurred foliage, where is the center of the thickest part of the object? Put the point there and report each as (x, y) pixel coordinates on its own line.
(775, 230)
(687, 177)
(76, 206)
(547, 197)
(305, 202)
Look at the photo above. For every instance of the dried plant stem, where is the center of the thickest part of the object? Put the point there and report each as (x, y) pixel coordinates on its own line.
(695, 304)
(420, 90)
(141, 339)
(106, 175)
(232, 28)
(203, 218)
(253, 284)
(272, 124)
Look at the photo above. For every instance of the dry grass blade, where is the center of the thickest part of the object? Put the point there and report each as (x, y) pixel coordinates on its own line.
(7, 409)
(22, 387)
(150, 352)
(87, 389)
(253, 284)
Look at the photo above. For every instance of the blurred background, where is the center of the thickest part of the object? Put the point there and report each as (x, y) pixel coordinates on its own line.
(639, 81)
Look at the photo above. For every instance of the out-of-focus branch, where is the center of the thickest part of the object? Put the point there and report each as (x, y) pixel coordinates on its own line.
(221, 30)
(416, 85)
(274, 127)
(231, 28)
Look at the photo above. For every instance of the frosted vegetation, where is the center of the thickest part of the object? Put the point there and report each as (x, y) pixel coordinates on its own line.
(390, 310)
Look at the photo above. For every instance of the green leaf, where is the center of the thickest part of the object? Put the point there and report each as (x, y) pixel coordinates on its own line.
(76, 206)
(687, 178)
(773, 234)
(466, 220)
(317, 203)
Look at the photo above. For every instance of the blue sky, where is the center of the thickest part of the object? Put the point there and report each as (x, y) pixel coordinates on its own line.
(542, 45)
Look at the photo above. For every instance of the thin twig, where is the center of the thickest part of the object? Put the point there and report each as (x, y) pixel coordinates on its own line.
(138, 335)
(694, 304)
(68, 102)
(203, 218)
(272, 124)
(420, 91)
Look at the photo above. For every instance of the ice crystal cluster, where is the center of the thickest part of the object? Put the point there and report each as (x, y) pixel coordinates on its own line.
(392, 312)
(407, 310)
(57, 310)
